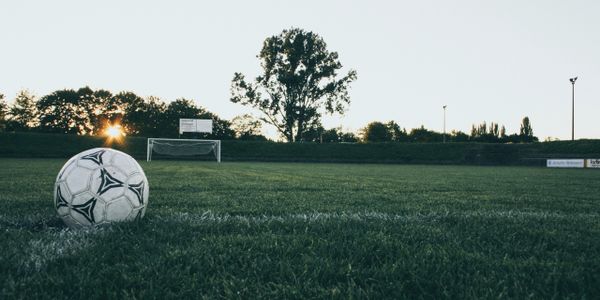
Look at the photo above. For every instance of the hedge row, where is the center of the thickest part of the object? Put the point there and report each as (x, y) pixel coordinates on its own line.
(63, 146)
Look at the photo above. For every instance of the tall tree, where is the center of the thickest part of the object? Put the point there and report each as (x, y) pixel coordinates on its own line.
(494, 131)
(61, 111)
(332, 135)
(23, 112)
(92, 110)
(299, 82)
(130, 105)
(95, 109)
(376, 132)
(526, 129)
(458, 136)
(482, 132)
(502, 132)
(423, 135)
(397, 134)
(102, 109)
(145, 118)
(348, 137)
(526, 132)
(336, 135)
(488, 134)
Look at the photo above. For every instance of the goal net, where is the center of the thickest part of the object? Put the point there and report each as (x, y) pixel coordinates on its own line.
(188, 148)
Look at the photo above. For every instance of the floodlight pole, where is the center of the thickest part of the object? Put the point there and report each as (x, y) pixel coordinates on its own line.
(444, 123)
(573, 107)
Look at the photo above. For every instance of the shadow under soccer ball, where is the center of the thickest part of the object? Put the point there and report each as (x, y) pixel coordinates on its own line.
(100, 186)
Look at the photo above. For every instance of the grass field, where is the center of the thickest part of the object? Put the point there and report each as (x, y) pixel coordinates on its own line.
(278, 230)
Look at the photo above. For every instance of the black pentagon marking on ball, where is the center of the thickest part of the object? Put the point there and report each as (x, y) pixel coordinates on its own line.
(87, 209)
(108, 182)
(138, 190)
(95, 157)
(60, 200)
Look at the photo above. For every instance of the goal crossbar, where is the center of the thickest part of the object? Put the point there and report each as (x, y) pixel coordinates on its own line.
(183, 147)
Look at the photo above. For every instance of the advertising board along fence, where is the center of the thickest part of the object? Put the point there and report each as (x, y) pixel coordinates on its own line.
(574, 163)
(565, 163)
(592, 163)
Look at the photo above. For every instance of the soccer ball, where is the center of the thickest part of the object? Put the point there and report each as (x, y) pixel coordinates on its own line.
(100, 186)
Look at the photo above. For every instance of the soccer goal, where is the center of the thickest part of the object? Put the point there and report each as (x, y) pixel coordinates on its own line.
(184, 148)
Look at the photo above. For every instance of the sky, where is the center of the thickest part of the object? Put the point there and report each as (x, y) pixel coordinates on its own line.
(493, 61)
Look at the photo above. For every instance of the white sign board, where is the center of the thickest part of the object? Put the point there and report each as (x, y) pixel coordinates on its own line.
(565, 163)
(195, 125)
(204, 126)
(592, 163)
(187, 125)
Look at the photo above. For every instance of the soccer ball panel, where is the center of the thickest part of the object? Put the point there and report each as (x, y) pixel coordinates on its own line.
(63, 211)
(118, 210)
(99, 211)
(78, 180)
(125, 163)
(133, 198)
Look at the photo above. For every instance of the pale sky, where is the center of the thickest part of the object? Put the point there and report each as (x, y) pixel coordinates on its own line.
(487, 60)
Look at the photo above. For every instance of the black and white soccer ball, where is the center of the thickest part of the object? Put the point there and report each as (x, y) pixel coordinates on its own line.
(100, 186)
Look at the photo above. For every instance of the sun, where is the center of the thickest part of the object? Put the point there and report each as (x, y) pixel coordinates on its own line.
(114, 131)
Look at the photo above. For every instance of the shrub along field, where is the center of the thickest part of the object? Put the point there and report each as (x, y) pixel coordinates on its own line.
(289, 230)
(32, 145)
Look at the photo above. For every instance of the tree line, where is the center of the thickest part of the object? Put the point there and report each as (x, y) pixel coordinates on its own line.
(88, 112)
(392, 132)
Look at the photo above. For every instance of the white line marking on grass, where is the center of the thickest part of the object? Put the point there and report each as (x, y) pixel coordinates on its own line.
(57, 244)
(50, 242)
(211, 217)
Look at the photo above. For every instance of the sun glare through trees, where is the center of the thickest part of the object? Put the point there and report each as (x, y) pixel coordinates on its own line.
(114, 131)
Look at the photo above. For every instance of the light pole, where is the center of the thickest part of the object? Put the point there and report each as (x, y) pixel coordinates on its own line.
(572, 80)
(445, 122)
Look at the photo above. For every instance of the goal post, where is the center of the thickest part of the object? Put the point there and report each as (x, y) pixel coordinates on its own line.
(183, 148)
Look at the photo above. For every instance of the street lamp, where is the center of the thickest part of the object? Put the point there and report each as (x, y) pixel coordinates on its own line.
(445, 122)
(572, 80)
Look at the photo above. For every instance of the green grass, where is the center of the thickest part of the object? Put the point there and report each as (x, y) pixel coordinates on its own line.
(284, 230)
